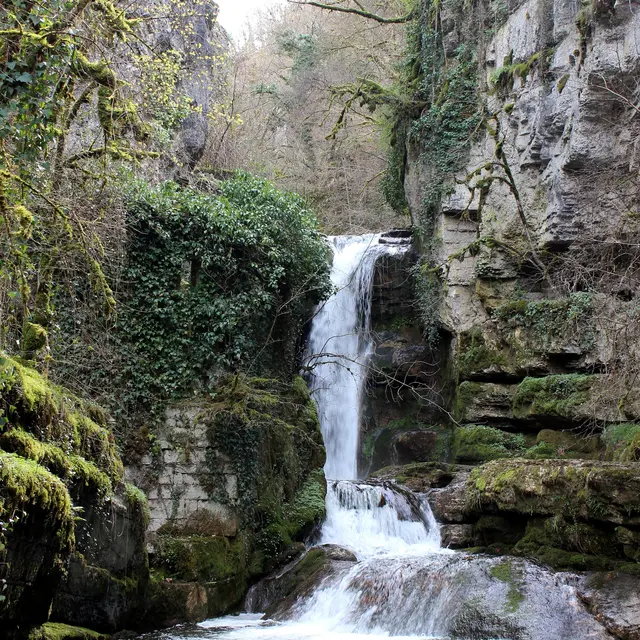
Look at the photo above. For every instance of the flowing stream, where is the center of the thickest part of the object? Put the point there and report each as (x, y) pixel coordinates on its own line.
(403, 584)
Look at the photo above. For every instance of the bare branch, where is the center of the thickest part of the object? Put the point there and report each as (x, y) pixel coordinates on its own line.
(358, 12)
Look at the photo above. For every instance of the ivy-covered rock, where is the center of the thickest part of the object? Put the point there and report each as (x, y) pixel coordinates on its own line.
(214, 282)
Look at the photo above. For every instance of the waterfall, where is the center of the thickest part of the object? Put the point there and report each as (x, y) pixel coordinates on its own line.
(404, 584)
(339, 349)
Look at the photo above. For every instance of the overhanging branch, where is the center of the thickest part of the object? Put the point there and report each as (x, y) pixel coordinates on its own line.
(358, 12)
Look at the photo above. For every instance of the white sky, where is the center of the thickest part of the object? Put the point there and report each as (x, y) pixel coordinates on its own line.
(234, 13)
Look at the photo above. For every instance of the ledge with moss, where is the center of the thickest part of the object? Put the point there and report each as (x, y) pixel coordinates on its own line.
(58, 460)
(601, 491)
(58, 631)
(247, 463)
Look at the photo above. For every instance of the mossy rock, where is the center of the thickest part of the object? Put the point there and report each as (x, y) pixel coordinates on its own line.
(548, 327)
(553, 397)
(55, 417)
(298, 581)
(479, 443)
(58, 631)
(477, 357)
(482, 402)
(569, 546)
(565, 445)
(579, 489)
(58, 459)
(199, 558)
(419, 476)
(262, 438)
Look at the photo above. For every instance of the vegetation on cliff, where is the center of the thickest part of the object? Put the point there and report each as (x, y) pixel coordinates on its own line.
(59, 469)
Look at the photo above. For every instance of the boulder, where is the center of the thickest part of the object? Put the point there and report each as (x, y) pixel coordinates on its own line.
(614, 599)
(414, 446)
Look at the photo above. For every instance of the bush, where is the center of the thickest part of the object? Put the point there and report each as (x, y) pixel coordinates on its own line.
(211, 284)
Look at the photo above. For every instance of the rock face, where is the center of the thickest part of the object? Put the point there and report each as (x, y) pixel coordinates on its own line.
(402, 419)
(615, 600)
(58, 459)
(525, 235)
(234, 485)
(569, 514)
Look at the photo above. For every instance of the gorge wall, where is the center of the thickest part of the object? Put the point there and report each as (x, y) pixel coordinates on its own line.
(521, 177)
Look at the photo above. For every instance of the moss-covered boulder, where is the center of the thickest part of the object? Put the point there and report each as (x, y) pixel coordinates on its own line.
(602, 491)
(575, 514)
(67, 519)
(59, 631)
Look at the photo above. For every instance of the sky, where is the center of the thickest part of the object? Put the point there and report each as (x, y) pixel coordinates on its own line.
(234, 13)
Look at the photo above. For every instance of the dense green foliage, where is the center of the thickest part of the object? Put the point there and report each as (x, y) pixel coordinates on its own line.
(213, 284)
(211, 276)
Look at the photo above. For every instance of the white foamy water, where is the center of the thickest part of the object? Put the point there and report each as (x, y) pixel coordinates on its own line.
(376, 520)
(339, 349)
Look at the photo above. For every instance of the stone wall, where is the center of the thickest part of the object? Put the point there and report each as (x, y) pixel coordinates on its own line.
(235, 484)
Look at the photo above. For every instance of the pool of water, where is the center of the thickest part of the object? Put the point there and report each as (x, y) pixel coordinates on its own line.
(251, 626)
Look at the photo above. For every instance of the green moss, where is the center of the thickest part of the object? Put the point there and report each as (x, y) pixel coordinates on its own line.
(554, 396)
(506, 572)
(199, 558)
(34, 338)
(581, 490)
(26, 486)
(465, 395)
(503, 77)
(58, 631)
(478, 443)
(566, 545)
(508, 108)
(138, 503)
(475, 355)
(562, 83)
(547, 322)
(308, 507)
(73, 469)
(622, 442)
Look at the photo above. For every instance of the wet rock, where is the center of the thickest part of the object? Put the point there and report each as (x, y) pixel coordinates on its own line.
(454, 596)
(392, 287)
(449, 505)
(335, 552)
(614, 599)
(278, 592)
(176, 602)
(457, 536)
(414, 446)
(419, 477)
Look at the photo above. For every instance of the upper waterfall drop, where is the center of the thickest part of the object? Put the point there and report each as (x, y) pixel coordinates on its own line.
(339, 349)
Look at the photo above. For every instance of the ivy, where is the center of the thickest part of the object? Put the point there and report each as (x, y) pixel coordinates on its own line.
(213, 284)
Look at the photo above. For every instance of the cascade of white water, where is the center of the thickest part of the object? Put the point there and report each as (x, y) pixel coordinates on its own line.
(377, 520)
(339, 348)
